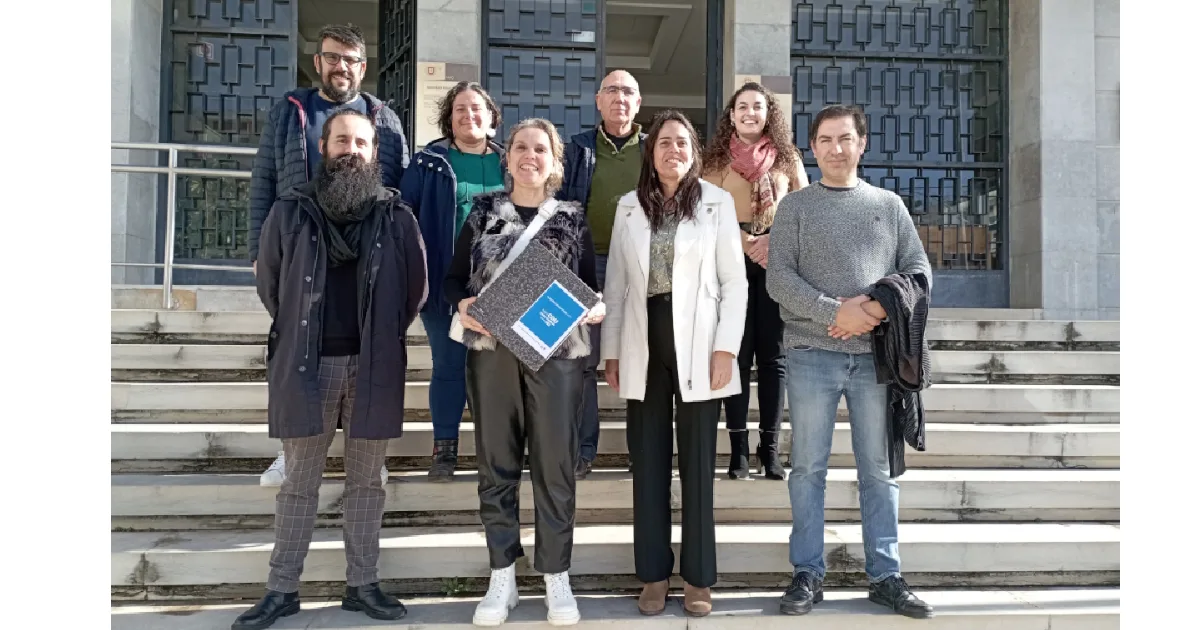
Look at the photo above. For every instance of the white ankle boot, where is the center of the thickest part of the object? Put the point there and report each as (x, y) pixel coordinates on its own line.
(500, 598)
(561, 609)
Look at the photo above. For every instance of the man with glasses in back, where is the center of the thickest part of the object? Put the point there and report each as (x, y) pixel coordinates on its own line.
(601, 165)
(288, 153)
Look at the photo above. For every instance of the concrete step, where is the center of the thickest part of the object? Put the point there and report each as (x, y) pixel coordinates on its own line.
(925, 494)
(180, 357)
(204, 447)
(223, 298)
(1027, 554)
(1025, 399)
(1057, 609)
(252, 326)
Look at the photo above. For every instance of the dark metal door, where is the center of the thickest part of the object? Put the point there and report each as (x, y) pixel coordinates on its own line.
(224, 65)
(714, 85)
(931, 76)
(544, 59)
(397, 59)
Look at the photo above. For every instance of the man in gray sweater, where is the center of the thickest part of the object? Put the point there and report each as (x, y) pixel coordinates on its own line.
(830, 242)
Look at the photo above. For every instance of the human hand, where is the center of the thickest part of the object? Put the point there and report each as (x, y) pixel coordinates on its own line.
(838, 333)
(720, 369)
(596, 315)
(852, 320)
(871, 307)
(468, 322)
(612, 373)
(874, 309)
(762, 245)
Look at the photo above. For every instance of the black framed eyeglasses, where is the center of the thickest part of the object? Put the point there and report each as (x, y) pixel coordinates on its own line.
(334, 59)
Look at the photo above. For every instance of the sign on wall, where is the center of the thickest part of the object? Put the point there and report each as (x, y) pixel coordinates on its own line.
(434, 80)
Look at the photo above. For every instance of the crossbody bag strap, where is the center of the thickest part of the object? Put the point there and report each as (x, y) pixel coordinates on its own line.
(545, 211)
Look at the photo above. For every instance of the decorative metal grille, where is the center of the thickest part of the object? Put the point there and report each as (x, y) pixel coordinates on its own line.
(229, 62)
(397, 55)
(559, 85)
(543, 59)
(215, 210)
(557, 21)
(930, 75)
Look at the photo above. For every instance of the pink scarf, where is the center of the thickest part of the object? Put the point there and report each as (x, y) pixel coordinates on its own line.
(754, 162)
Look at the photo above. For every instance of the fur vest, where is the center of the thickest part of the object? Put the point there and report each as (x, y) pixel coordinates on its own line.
(497, 227)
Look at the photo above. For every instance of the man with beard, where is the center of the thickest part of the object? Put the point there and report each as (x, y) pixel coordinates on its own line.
(288, 155)
(343, 276)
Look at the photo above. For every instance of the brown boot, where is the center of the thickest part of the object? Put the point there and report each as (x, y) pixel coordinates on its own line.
(653, 599)
(697, 602)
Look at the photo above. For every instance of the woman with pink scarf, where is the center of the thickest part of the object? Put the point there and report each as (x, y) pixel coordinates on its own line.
(752, 157)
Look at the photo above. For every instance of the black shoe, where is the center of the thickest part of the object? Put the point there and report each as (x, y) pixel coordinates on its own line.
(894, 593)
(768, 455)
(445, 459)
(739, 455)
(804, 591)
(270, 608)
(372, 600)
(583, 468)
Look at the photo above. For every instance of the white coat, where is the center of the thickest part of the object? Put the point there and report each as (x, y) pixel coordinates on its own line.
(709, 292)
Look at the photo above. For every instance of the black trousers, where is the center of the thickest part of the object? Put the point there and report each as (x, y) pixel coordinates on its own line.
(515, 407)
(648, 429)
(762, 342)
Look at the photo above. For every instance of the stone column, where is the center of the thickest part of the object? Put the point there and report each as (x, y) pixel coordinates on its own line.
(1108, 156)
(1057, 159)
(758, 47)
(448, 50)
(136, 57)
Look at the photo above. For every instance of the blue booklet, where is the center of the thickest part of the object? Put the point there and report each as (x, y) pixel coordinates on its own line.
(548, 321)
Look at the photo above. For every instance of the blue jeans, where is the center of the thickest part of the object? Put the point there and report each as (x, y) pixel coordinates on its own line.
(817, 379)
(448, 387)
(589, 419)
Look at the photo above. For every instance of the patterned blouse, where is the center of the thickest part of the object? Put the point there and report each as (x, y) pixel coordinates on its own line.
(662, 256)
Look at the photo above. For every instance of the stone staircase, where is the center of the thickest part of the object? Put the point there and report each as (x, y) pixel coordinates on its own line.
(1009, 520)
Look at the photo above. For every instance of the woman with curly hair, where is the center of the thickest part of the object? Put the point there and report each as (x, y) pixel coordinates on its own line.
(753, 158)
(440, 184)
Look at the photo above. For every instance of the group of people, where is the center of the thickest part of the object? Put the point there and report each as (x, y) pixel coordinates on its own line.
(706, 262)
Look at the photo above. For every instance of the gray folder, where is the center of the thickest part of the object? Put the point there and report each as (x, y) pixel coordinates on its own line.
(532, 307)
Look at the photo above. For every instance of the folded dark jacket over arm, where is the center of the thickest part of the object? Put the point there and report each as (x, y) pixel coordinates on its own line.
(902, 360)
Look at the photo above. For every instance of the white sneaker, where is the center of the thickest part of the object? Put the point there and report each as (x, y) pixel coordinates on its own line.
(500, 598)
(383, 474)
(274, 475)
(561, 609)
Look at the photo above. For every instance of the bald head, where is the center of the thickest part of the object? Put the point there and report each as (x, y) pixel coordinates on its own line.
(618, 100)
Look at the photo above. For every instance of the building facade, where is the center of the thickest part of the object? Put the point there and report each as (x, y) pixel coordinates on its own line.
(997, 121)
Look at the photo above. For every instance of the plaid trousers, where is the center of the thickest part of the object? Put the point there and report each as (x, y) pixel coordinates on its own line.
(362, 500)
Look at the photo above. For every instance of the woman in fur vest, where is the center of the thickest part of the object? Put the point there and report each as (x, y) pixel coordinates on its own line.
(514, 406)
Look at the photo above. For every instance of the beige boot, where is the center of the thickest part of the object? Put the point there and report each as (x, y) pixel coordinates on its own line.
(653, 599)
(697, 602)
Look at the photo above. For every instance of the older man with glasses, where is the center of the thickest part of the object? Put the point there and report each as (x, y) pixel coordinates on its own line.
(288, 152)
(601, 165)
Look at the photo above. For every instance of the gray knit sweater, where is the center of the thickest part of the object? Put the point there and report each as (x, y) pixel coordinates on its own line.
(828, 243)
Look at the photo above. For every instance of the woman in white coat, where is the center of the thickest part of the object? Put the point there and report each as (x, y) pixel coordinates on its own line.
(675, 297)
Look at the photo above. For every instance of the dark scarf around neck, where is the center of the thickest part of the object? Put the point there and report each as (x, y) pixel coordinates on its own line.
(342, 230)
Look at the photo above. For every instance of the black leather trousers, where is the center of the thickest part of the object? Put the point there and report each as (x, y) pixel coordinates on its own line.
(514, 408)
